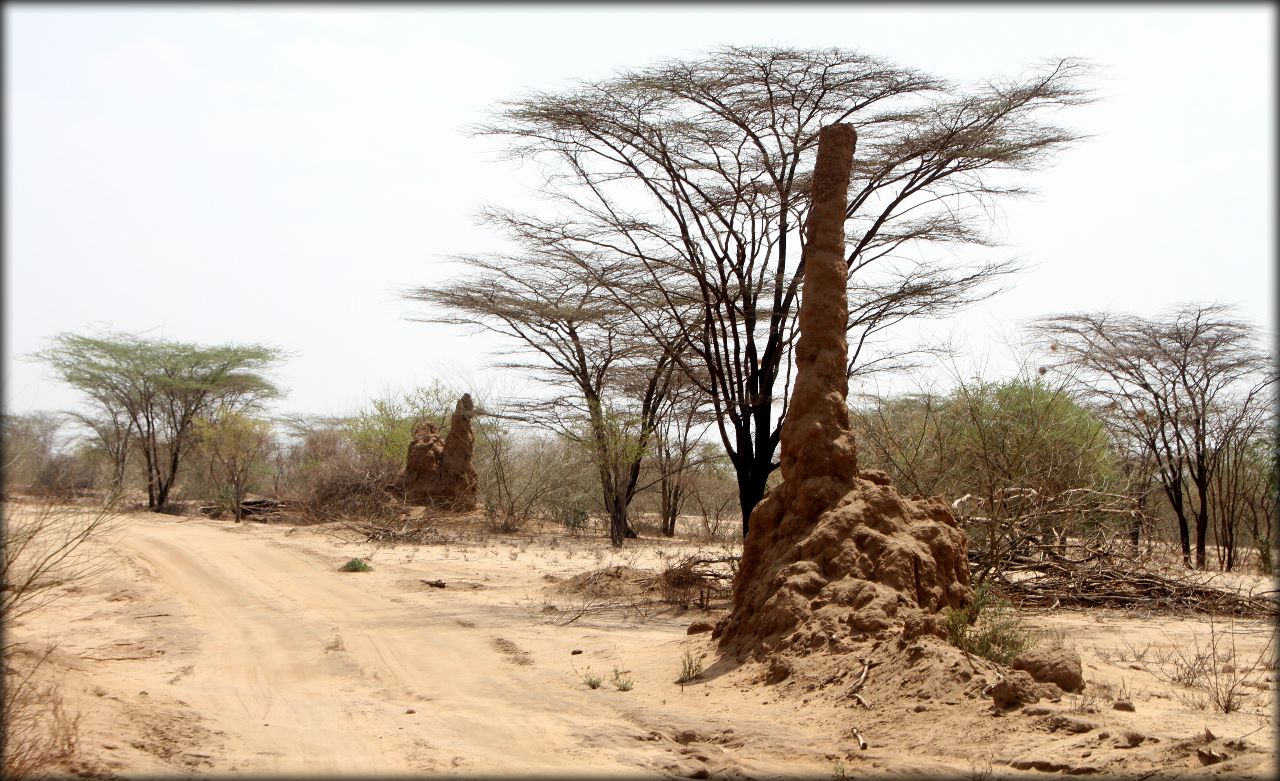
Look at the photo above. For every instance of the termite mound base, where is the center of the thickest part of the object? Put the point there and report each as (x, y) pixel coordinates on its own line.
(829, 563)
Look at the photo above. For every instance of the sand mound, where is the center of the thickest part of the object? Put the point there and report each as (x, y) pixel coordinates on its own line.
(613, 581)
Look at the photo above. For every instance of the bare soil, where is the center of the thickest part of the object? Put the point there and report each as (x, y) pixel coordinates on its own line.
(211, 648)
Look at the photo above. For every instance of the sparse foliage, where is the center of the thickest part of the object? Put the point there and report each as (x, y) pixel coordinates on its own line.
(234, 443)
(690, 668)
(1177, 389)
(681, 189)
(47, 547)
(989, 627)
(1021, 462)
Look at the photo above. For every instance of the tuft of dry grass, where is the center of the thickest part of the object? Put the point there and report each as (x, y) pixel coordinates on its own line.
(40, 734)
(1212, 673)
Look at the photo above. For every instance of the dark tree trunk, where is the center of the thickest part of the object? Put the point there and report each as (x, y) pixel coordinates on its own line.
(753, 480)
(1202, 528)
(670, 508)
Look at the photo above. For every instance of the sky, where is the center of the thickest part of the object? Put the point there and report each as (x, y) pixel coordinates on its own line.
(278, 174)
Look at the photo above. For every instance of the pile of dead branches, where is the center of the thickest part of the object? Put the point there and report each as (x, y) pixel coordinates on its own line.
(1104, 580)
(696, 580)
(258, 509)
(410, 532)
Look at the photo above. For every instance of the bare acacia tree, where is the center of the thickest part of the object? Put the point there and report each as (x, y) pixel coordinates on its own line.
(585, 343)
(1178, 387)
(681, 423)
(1243, 495)
(695, 175)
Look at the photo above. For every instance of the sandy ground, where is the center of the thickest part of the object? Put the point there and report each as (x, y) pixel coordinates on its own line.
(215, 648)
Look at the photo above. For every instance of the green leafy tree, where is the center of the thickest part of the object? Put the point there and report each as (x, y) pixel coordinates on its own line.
(162, 388)
(1019, 459)
(235, 444)
(382, 430)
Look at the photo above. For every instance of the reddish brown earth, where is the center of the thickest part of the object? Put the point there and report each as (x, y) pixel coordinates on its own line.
(438, 472)
(833, 561)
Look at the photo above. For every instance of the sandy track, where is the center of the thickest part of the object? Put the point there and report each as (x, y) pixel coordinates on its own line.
(266, 613)
(211, 647)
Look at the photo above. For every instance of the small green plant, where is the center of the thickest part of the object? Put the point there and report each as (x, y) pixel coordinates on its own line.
(592, 680)
(621, 681)
(838, 772)
(1263, 543)
(574, 519)
(690, 668)
(989, 627)
(356, 565)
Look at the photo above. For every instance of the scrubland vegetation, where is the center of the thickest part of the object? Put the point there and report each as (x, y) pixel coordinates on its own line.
(664, 351)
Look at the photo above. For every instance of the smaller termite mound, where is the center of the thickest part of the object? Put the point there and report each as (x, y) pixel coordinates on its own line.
(438, 472)
(831, 555)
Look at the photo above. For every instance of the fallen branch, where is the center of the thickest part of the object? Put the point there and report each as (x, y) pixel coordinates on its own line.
(857, 685)
(1099, 582)
(862, 744)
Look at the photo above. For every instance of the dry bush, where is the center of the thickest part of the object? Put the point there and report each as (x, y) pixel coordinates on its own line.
(344, 487)
(46, 550)
(1214, 672)
(40, 734)
(695, 580)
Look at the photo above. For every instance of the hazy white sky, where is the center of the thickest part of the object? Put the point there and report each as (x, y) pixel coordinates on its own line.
(276, 174)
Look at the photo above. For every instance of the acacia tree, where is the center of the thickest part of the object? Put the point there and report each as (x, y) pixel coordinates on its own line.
(235, 444)
(1242, 491)
(30, 443)
(681, 422)
(585, 343)
(692, 176)
(112, 436)
(1178, 387)
(161, 387)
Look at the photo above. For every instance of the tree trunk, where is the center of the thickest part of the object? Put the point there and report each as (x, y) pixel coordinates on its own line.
(752, 484)
(618, 526)
(669, 508)
(1202, 526)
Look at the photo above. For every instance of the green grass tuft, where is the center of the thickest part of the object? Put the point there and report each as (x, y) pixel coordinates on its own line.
(690, 668)
(989, 628)
(356, 565)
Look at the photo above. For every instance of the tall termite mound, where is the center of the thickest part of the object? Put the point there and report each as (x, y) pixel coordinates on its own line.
(832, 555)
(438, 472)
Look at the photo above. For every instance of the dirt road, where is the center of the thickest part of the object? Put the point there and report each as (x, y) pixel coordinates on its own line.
(216, 648)
(243, 649)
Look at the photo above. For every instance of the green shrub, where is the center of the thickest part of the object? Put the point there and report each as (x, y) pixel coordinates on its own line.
(621, 681)
(989, 627)
(356, 565)
(592, 680)
(690, 668)
(1263, 544)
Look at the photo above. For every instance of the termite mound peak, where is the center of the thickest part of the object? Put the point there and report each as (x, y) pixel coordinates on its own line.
(835, 557)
